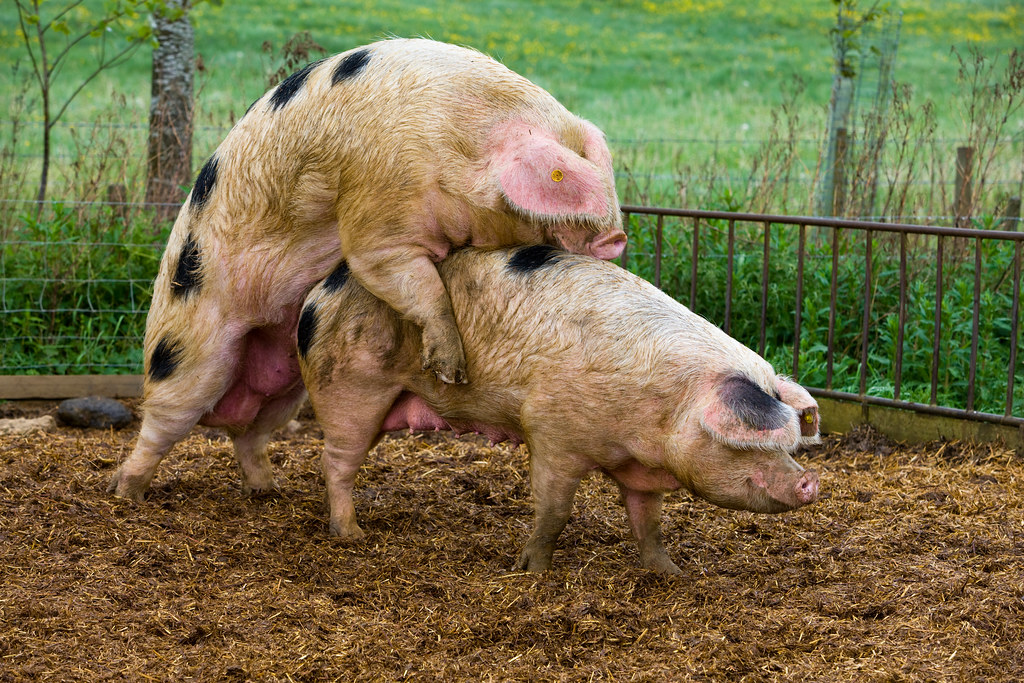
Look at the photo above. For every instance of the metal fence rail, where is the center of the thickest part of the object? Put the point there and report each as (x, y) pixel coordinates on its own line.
(983, 266)
(906, 316)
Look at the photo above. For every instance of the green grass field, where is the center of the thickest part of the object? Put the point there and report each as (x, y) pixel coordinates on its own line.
(642, 70)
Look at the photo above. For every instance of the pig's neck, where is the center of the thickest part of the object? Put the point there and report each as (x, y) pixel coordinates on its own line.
(457, 223)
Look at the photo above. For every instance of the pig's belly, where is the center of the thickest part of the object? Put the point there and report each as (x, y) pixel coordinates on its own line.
(412, 412)
(638, 477)
(267, 369)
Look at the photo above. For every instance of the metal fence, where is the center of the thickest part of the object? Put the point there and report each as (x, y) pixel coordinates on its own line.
(907, 316)
(916, 317)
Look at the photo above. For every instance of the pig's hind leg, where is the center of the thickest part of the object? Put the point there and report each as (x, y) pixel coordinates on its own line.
(184, 381)
(251, 444)
(351, 416)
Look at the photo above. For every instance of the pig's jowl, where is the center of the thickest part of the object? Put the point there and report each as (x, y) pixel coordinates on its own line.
(387, 156)
(592, 367)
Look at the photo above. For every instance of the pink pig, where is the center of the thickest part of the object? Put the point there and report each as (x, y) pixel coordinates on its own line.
(388, 156)
(592, 367)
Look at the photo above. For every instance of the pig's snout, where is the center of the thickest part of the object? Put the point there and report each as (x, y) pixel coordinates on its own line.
(807, 488)
(780, 492)
(608, 245)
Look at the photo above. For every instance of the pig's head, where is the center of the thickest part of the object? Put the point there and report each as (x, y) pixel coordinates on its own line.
(748, 436)
(571, 194)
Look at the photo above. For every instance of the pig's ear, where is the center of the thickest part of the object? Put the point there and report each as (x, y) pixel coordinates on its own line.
(741, 414)
(542, 178)
(795, 396)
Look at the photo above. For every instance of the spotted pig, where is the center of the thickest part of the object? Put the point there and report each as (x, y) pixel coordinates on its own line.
(388, 155)
(590, 366)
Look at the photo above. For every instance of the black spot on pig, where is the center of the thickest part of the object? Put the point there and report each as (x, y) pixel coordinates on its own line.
(751, 404)
(286, 90)
(187, 275)
(350, 66)
(529, 259)
(165, 359)
(204, 183)
(307, 328)
(337, 279)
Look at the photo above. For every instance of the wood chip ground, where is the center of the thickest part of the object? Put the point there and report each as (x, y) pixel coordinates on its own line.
(911, 567)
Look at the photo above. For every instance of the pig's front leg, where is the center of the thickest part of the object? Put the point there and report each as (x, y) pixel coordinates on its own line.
(406, 278)
(554, 485)
(643, 509)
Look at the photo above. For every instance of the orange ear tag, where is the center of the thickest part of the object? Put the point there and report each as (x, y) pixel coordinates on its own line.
(557, 175)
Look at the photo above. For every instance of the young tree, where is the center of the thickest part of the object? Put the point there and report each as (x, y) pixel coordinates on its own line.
(169, 156)
(847, 58)
(51, 41)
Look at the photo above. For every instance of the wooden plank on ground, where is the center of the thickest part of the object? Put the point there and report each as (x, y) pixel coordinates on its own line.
(904, 425)
(21, 387)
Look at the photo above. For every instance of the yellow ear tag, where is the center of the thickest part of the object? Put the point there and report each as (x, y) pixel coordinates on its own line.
(557, 175)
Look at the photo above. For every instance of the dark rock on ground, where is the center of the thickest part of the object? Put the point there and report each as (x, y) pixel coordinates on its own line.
(94, 411)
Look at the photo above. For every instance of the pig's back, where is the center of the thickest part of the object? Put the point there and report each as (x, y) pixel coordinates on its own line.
(377, 126)
(566, 309)
(388, 102)
(538, 321)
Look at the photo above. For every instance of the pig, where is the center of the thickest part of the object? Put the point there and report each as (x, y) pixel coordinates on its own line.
(388, 156)
(590, 366)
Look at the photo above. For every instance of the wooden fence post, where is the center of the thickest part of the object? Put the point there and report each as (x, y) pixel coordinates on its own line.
(1011, 218)
(839, 173)
(962, 208)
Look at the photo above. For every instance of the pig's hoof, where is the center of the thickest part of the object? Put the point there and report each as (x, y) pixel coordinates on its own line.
(532, 561)
(347, 532)
(256, 486)
(132, 488)
(446, 360)
(662, 565)
(253, 490)
(447, 372)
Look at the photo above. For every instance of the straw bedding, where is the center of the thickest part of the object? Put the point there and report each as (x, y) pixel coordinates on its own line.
(910, 567)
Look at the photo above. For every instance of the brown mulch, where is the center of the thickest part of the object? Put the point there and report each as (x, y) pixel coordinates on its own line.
(911, 567)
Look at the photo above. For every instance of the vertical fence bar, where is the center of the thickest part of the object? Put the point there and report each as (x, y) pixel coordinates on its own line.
(658, 232)
(937, 331)
(693, 266)
(829, 354)
(624, 257)
(866, 322)
(972, 374)
(764, 286)
(728, 275)
(1014, 329)
(902, 317)
(798, 313)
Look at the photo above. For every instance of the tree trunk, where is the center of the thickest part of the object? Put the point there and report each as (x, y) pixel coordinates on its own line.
(169, 159)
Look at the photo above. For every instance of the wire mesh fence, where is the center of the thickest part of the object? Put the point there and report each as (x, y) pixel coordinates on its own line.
(892, 314)
(75, 287)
